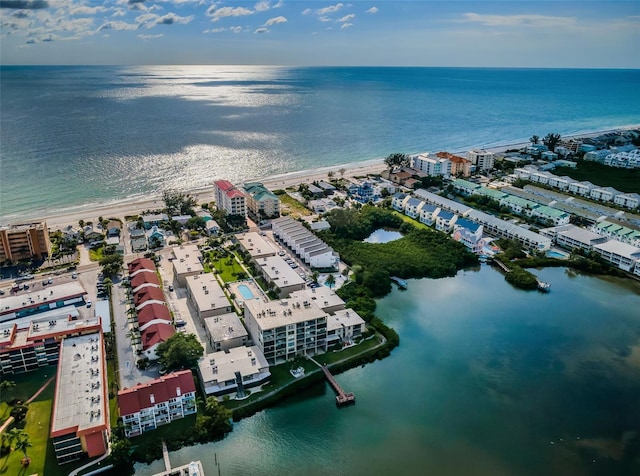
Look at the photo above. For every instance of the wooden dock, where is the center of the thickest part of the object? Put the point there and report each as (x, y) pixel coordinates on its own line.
(342, 397)
(192, 469)
(401, 283)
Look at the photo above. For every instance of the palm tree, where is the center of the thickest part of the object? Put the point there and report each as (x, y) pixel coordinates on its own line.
(314, 277)
(342, 171)
(108, 285)
(330, 281)
(22, 443)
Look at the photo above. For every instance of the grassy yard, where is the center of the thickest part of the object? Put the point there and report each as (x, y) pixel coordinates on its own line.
(96, 254)
(624, 180)
(225, 270)
(156, 436)
(293, 207)
(113, 401)
(36, 425)
(411, 221)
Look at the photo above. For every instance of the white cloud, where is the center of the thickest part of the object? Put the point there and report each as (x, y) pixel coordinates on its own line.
(275, 21)
(84, 10)
(119, 12)
(171, 18)
(230, 12)
(346, 18)
(150, 37)
(236, 29)
(324, 19)
(372, 10)
(117, 26)
(346, 25)
(307, 11)
(330, 9)
(261, 30)
(280, 4)
(530, 20)
(262, 6)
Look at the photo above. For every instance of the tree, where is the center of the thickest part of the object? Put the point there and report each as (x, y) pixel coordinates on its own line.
(7, 384)
(551, 140)
(314, 276)
(178, 203)
(330, 174)
(534, 139)
(331, 281)
(396, 160)
(21, 444)
(108, 286)
(120, 451)
(180, 351)
(196, 223)
(111, 264)
(342, 171)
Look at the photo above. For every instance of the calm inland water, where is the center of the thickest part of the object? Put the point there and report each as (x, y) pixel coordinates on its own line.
(488, 380)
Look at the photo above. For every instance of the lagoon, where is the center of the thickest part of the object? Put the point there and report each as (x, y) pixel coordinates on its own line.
(487, 380)
(382, 235)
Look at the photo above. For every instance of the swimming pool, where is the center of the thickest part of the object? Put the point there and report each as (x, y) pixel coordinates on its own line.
(557, 254)
(245, 291)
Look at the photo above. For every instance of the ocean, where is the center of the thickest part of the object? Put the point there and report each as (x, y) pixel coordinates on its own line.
(80, 135)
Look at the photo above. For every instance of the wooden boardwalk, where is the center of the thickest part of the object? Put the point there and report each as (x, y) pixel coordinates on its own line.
(342, 397)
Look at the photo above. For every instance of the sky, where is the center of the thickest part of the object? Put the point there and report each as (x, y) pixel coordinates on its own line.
(539, 34)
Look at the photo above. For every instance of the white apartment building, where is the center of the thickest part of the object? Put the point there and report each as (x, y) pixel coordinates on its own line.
(287, 328)
(482, 159)
(621, 255)
(148, 405)
(229, 198)
(431, 166)
(207, 296)
(222, 373)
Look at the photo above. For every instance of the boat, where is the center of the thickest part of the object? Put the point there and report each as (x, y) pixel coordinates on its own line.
(194, 469)
(544, 287)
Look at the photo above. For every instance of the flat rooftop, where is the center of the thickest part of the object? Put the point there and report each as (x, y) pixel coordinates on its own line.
(272, 314)
(256, 245)
(344, 317)
(187, 259)
(225, 327)
(39, 296)
(222, 366)
(323, 296)
(206, 292)
(279, 271)
(81, 392)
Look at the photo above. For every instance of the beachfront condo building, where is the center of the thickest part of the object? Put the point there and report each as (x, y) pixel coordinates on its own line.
(229, 198)
(432, 166)
(460, 167)
(23, 242)
(261, 203)
(482, 159)
(286, 328)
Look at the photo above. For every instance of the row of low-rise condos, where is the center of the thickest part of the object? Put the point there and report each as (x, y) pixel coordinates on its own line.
(304, 243)
(517, 205)
(623, 255)
(23, 242)
(627, 156)
(583, 189)
(491, 224)
(149, 405)
(229, 198)
(261, 202)
(38, 301)
(80, 418)
(154, 319)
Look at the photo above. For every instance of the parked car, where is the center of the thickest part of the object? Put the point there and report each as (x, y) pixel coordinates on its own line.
(281, 253)
(170, 288)
(1, 292)
(180, 323)
(74, 275)
(89, 303)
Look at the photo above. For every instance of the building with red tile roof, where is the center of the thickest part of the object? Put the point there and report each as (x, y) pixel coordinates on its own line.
(153, 335)
(153, 313)
(460, 167)
(143, 279)
(229, 198)
(149, 405)
(141, 264)
(146, 294)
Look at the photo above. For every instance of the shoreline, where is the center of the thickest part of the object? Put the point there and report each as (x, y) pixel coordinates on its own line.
(138, 203)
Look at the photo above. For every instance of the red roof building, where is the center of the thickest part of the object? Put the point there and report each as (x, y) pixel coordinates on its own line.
(149, 405)
(153, 335)
(148, 293)
(153, 312)
(141, 264)
(229, 198)
(144, 278)
(459, 165)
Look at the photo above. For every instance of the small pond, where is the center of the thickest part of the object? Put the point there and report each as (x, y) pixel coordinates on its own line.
(382, 235)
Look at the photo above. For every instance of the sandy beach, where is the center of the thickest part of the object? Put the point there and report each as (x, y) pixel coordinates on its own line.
(138, 205)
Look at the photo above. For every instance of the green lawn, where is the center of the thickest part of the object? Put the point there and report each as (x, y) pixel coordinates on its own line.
(113, 401)
(411, 221)
(227, 271)
(36, 425)
(26, 384)
(624, 180)
(96, 254)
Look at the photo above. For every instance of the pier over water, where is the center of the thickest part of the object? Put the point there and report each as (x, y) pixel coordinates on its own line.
(342, 397)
